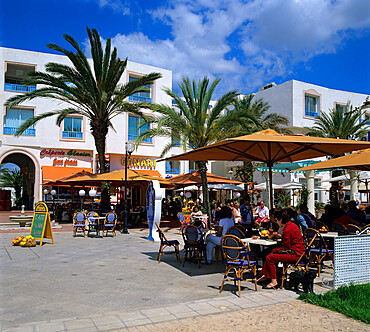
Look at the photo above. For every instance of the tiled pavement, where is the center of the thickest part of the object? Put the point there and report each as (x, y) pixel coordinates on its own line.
(168, 307)
(268, 311)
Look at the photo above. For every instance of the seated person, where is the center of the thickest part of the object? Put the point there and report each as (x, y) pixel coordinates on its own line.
(356, 214)
(292, 249)
(263, 214)
(297, 218)
(225, 223)
(308, 216)
(343, 219)
(196, 212)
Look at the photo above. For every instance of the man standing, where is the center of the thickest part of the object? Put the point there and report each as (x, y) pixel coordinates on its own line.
(263, 214)
(247, 215)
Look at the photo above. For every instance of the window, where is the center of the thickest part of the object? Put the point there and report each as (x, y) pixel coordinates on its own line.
(14, 118)
(312, 106)
(192, 166)
(341, 107)
(140, 96)
(172, 167)
(134, 131)
(14, 76)
(72, 127)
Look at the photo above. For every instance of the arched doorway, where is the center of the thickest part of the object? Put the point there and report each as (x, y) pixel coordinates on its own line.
(30, 169)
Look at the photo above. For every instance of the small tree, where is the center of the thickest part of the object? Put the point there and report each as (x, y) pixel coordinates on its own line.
(12, 179)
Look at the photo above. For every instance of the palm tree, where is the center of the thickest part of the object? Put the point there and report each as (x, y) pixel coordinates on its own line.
(249, 116)
(192, 123)
(92, 91)
(12, 179)
(340, 122)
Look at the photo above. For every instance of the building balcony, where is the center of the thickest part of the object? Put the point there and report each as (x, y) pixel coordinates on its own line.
(131, 138)
(140, 99)
(172, 170)
(72, 134)
(311, 114)
(19, 87)
(12, 130)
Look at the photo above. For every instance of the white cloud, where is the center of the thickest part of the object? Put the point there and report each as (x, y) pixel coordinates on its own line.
(116, 5)
(266, 37)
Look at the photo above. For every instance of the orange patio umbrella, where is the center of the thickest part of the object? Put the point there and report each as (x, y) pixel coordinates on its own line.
(270, 147)
(194, 178)
(358, 160)
(118, 176)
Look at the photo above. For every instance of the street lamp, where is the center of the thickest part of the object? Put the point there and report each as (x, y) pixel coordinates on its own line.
(82, 194)
(129, 147)
(53, 193)
(92, 194)
(46, 191)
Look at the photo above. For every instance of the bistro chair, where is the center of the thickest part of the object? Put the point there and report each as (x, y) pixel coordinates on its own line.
(167, 243)
(237, 231)
(93, 223)
(366, 228)
(341, 229)
(318, 249)
(110, 223)
(184, 220)
(194, 245)
(353, 229)
(79, 223)
(236, 254)
(300, 265)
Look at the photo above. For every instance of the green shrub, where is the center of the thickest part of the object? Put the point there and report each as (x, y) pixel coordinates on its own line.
(352, 301)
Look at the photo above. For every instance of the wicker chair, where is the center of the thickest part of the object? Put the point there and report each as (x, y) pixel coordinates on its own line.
(237, 231)
(318, 249)
(301, 264)
(194, 245)
(79, 223)
(110, 223)
(167, 243)
(353, 229)
(236, 254)
(341, 229)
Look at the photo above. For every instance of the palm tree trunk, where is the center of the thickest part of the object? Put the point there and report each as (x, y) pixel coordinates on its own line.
(202, 167)
(99, 135)
(333, 193)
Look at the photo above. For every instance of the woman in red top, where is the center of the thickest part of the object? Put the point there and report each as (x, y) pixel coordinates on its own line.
(292, 242)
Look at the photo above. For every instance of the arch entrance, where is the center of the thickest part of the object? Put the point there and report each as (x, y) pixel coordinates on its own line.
(30, 172)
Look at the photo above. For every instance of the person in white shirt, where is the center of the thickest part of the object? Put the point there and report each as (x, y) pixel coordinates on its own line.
(236, 213)
(212, 241)
(263, 214)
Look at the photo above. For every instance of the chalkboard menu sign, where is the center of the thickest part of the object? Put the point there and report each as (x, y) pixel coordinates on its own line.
(41, 225)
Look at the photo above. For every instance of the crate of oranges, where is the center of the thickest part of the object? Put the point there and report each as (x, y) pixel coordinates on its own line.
(24, 241)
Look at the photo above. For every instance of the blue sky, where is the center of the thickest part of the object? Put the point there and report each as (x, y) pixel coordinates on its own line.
(246, 43)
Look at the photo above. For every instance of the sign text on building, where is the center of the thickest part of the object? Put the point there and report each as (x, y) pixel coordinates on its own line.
(142, 163)
(61, 153)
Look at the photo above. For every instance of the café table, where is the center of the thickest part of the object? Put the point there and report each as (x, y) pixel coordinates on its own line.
(329, 234)
(99, 228)
(259, 241)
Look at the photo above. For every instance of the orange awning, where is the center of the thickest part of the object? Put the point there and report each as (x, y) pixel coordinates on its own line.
(150, 172)
(53, 173)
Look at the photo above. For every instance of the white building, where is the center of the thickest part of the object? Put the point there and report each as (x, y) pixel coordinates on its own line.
(301, 102)
(47, 151)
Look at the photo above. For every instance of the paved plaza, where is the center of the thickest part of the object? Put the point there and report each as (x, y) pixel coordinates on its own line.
(100, 284)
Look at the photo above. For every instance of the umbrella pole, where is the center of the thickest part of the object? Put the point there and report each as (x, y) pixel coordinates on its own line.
(270, 186)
